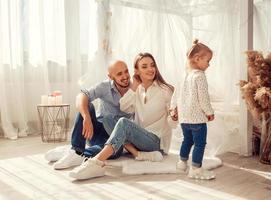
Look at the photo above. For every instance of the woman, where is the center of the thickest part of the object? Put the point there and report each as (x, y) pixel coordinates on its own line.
(150, 133)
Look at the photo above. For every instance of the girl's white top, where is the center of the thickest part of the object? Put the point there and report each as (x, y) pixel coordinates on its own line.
(194, 105)
(153, 114)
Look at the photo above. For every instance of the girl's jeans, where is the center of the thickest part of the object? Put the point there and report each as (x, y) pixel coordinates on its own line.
(194, 134)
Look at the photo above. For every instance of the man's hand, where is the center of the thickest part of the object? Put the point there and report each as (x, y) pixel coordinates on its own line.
(87, 128)
(174, 114)
(211, 117)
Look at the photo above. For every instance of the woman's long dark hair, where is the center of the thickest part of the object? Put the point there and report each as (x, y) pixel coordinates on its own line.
(161, 82)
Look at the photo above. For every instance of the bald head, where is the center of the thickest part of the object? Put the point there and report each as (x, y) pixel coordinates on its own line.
(115, 65)
(118, 72)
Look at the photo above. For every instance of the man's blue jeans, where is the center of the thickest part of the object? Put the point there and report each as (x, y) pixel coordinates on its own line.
(127, 131)
(100, 135)
(194, 134)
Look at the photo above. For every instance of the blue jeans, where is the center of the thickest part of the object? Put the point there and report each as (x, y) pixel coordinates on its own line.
(100, 135)
(194, 134)
(127, 131)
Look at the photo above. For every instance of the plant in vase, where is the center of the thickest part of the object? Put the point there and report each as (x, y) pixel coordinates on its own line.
(257, 94)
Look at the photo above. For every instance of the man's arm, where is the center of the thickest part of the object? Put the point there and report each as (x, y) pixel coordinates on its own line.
(82, 104)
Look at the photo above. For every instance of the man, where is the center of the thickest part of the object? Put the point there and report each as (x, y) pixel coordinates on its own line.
(94, 128)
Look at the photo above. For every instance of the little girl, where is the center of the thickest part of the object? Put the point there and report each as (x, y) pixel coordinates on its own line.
(195, 111)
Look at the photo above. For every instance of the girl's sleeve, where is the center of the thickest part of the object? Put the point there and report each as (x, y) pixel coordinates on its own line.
(203, 95)
(128, 101)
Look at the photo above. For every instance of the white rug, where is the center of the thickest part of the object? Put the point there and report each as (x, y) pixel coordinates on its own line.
(168, 165)
(132, 166)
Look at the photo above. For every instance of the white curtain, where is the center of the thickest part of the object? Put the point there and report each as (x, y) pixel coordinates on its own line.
(42, 48)
(261, 30)
(167, 28)
(11, 74)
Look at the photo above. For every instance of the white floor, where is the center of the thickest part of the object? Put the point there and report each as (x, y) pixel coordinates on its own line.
(25, 174)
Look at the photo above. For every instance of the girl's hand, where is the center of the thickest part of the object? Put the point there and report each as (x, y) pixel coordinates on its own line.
(136, 82)
(174, 114)
(211, 117)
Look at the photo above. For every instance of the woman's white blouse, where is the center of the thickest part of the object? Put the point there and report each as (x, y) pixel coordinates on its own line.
(151, 110)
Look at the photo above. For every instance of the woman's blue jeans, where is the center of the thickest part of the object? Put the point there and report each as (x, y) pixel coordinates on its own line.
(127, 131)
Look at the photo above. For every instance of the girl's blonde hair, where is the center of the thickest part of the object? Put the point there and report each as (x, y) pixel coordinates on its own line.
(158, 77)
(199, 49)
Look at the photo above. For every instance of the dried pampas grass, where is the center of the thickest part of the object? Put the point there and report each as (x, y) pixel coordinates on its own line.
(257, 94)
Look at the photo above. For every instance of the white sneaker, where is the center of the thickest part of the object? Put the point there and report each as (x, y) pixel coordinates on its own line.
(56, 153)
(200, 173)
(71, 159)
(89, 169)
(182, 165)
(154, 156)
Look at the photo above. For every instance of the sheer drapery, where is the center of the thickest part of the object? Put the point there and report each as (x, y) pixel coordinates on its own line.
(166, 29)
(261, 30)
(45, 31)
(41, 51)
(11, 62)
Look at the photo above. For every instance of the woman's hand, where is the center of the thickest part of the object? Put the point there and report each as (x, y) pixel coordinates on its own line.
(136, 82)
(174, 114)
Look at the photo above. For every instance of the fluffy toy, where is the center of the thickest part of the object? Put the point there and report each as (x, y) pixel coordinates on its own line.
(257, 94)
